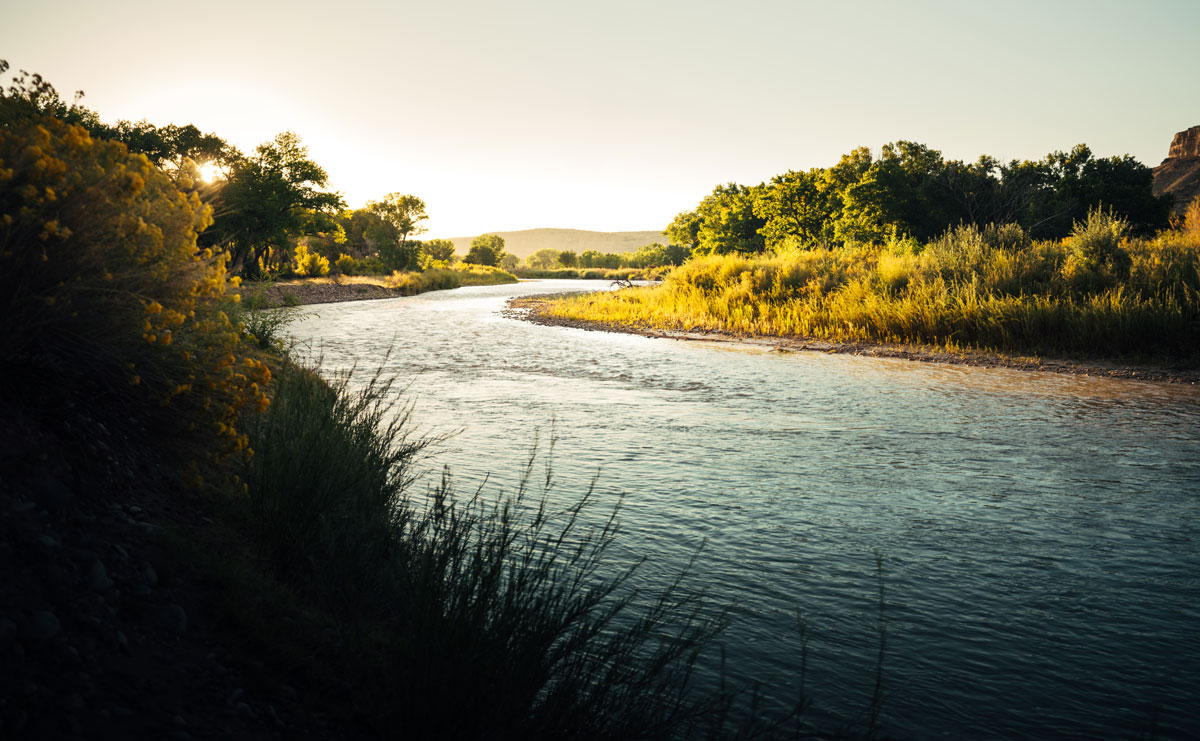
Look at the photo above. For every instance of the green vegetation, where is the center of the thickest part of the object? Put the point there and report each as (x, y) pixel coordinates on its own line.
(910, 191)
(439, 279)
(1097, 293)
(441, 615)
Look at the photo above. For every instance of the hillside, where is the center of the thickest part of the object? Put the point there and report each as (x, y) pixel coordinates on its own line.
(525, 242)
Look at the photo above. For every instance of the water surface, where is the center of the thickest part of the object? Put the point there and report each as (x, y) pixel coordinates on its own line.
(1038, 532)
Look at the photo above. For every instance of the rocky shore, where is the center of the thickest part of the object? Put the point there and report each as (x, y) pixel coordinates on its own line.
(536, 309)
(298, 293)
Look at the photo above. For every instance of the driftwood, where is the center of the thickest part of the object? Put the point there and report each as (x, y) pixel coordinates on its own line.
(622, 283)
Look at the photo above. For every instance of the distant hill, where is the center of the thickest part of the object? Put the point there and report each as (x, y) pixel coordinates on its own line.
(528, 241)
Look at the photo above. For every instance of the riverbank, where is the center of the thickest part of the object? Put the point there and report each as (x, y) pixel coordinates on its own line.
(318, 291)
(337, 288)
(537, 310)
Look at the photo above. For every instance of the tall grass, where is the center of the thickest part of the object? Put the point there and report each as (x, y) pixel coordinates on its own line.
(469, 616)
(1097, 293)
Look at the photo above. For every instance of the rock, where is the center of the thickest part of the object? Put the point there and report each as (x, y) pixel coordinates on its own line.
(48, 542)
(44, 625)
(98, 577)
(149, 575)
(1186, 143)
(174, 619)
(8, 633)
(54, 493)
(1179, 173)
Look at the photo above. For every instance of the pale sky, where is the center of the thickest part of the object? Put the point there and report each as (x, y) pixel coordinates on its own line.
(617, 115)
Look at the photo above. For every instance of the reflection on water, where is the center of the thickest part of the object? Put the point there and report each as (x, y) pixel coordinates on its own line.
(1039, 532)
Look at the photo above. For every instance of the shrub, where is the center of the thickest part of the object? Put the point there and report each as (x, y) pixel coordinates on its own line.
(310, 264)
(1096, 259)
(107, 307)
(346, 265)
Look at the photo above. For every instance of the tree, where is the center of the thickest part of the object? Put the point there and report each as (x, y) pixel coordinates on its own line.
(543, 259)
(276, 195)
(437, 250)
(728, 223)
(403, 213)
(794, 205)
(591, 259)
(486, 249)
(568, 258)
(685, 230)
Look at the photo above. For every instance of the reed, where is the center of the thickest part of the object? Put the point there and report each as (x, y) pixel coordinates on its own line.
(1097, 293)
(461, 616)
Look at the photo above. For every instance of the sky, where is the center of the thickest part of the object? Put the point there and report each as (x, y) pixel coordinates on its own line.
(617, 115)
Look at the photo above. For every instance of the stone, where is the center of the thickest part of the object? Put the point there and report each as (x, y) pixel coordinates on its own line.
(174, 619)
(54, 493)
(1185, 144)
(98, 577)
(44, 625)
(1179, 173)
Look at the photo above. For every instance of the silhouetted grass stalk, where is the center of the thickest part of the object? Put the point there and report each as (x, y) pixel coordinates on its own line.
(472, 615)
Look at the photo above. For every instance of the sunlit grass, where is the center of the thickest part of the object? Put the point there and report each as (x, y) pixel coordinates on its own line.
(1096, 293)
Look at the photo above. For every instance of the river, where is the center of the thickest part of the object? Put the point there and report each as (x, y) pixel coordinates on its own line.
(1038, 533)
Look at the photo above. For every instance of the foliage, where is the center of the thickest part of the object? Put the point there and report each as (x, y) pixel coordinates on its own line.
(346, 265)
(310, 264)
(439, 279)
(1096, 294)
(399, 217)
(486, 249)
(568, 258)
(108, 305)
(1096, 258)
(544, 260)
(439, 252)
(270, 198)
(912, 191)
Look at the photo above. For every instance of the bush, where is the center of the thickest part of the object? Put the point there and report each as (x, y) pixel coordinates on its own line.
(310, 264)
(1096, 259)
(346, 265)
(107, 307)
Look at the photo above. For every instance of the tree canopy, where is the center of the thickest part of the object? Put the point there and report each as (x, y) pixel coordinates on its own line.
(911, 190)
(275, 194)
(486, 249)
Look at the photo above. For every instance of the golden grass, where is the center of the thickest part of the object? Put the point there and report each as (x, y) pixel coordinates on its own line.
(965, 290)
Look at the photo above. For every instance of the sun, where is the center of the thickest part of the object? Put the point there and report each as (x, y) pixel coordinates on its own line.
(211, 172)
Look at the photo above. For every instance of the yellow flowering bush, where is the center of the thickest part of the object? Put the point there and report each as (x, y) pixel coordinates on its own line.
(109, 309)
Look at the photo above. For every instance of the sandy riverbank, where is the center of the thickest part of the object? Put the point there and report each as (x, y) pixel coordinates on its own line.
(535, 309)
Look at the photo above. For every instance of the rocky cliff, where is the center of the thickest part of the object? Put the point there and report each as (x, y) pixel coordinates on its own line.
(1179, 173)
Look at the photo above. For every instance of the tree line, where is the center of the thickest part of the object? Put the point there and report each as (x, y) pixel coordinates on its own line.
(270, 207)
(911, 191)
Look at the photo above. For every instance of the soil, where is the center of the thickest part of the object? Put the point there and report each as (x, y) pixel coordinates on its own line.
(535, 309)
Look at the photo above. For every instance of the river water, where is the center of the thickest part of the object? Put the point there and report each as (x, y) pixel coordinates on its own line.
(1038, 533)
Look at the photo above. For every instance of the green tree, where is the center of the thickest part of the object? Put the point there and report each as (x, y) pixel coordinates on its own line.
(728, 223)
(568, 258)
(543, 259)
(591, 259)
(270, 198)
(685, 230)
(795, 204)
(486, 249)
(437, 250)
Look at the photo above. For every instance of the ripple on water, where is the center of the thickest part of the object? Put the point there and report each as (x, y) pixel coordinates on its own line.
(1038, 532)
